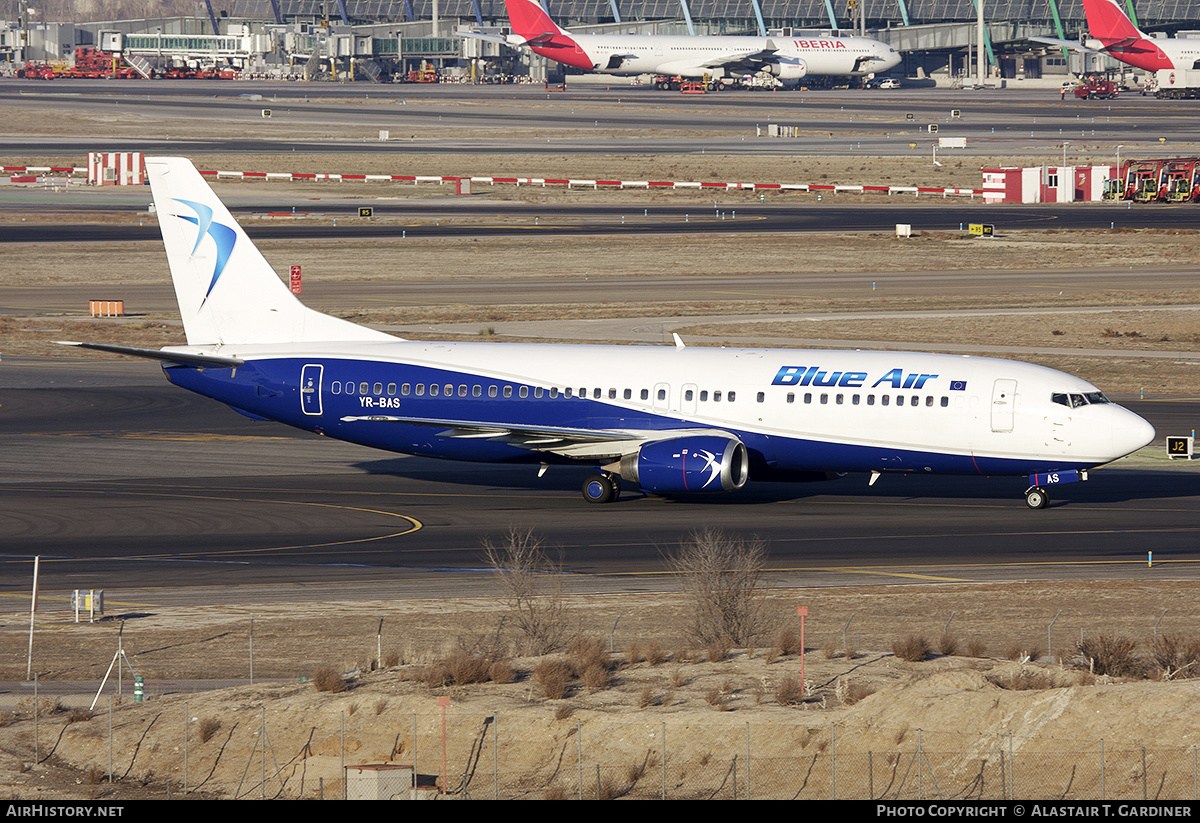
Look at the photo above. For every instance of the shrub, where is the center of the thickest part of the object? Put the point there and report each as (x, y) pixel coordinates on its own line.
(502, 672)
(531, 583)
(467, 668)
(912, 648)
(717, 651)
(720, 576)
(787, 641)
(717, 699)
(586, 653)
(208, 728)
(596, 677)
(948, 645)
(789, 692)
(1174, 654)
(554, 678)
(1111, 655)
(329, 679)
(976, 648)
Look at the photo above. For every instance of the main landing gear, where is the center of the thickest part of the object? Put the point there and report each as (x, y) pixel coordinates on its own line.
(1036, 497)
(601, 487)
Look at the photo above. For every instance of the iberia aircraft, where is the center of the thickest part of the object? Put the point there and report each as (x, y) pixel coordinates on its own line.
(1112, 32)
(666, 420)
(788, 59)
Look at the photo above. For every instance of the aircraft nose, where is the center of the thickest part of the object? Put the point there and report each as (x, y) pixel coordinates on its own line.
(1129, 432)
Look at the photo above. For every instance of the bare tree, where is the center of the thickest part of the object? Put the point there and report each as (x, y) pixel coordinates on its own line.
(720, 575)
(532, 585)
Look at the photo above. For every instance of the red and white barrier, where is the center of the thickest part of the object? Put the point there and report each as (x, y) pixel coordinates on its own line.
(595, 184)
(418, 179)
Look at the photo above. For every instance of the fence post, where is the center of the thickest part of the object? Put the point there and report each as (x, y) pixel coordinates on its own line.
(748, 761)
(1102, 770)
(664, 760)
(1012, 788)
(832, 763)
(1143, 773)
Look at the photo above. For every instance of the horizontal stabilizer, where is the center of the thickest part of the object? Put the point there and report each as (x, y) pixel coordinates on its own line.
(1073, 45)
(203, 361)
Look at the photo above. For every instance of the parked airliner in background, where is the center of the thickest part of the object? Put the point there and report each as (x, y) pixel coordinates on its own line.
(669, 419)
(1112, 32)
(789, 59)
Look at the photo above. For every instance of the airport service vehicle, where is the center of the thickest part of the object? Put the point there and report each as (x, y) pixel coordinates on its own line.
(889, 83)
(92, 63)
(1112, 32)
(1143, 180)
(36, 71)
(668, 420)
(789, 59)
(1177, 84)
(1096, 89)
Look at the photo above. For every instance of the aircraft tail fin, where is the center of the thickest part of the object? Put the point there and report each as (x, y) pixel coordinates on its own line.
(227, 291)
(529, 20)
(1107, 21)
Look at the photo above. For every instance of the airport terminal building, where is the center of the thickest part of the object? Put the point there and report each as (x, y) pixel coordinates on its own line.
(382, 40)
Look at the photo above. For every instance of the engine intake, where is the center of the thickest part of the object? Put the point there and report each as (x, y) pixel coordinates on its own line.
(701, 463)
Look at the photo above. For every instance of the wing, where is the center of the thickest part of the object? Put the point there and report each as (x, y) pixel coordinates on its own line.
(583, 444)
(746, 61)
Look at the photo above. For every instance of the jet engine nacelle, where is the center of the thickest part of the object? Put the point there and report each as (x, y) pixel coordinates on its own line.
(698, 463)
(787, 68)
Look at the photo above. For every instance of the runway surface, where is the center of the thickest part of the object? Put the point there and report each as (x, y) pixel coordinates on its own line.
(123, 483)
(452, 119)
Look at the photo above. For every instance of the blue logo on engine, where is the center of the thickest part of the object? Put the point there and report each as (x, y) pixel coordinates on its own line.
(224, 237)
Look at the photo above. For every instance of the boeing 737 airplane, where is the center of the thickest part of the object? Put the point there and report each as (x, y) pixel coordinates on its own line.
(1112, 32)
(669, 420)
(789, 59)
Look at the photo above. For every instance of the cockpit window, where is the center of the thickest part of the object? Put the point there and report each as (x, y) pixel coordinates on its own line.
(1074, 401)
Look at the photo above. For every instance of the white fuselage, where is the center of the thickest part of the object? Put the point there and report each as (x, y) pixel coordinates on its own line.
(686, 56)
(796, 410)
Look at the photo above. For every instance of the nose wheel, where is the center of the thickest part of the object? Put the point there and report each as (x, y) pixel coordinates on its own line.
(1036, 498)
(601, 488)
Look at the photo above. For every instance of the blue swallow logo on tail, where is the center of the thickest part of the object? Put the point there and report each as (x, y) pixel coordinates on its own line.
(224, 236)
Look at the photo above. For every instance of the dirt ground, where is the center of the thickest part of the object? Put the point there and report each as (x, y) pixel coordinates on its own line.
(1011, 690)
(994, 686)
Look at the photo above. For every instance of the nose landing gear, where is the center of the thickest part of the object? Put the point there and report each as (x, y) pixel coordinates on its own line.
(1036, 497)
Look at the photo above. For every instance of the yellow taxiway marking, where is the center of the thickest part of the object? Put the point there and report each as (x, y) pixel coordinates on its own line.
(414, 525)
